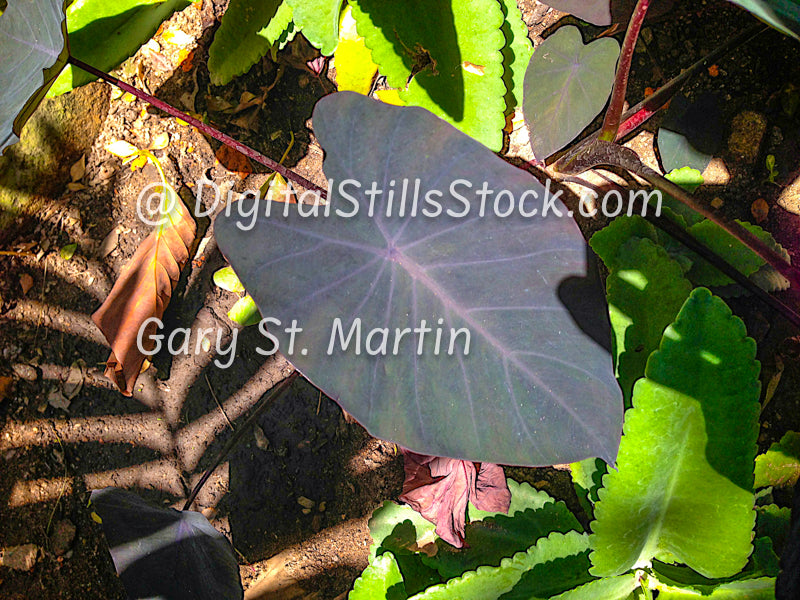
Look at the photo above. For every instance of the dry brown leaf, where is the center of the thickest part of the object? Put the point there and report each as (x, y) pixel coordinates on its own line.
(78, 170)
(233, 160)
(143, 291)
(760, 210)
(5, 386)
(26, 283)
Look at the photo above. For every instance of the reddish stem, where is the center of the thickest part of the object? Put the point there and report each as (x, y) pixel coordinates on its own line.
(202, 127)
(614, 112)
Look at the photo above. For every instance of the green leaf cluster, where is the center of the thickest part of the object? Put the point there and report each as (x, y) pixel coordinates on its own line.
(464, 61)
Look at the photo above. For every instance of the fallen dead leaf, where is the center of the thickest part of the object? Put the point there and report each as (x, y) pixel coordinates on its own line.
(760, 210)
(233, 160)
(144, 290)
(5, 386)
(78, 170)
(26, 283)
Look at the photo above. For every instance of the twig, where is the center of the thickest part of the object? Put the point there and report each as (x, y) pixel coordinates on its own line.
(202, 127)
(237, 436)
(222, 410)
(614, 111)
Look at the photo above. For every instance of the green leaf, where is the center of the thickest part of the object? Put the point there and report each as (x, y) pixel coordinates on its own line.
(517, 53)
(608, 241)
(490, 583)
(780, 465)
(244, 312)
(608, 588)
(68, 251)
(567, 84)
(354, 67)
(750, 589)
(319, 21)
(33, 47)
(281, 29)
(491, 539)
(685, 464)
(246, 33)
(587, 478)
(552, 577)
(452, 57)
(774, 522)
(226, 279)
(104, 34)
(728, 247)
(645, 291)
(689, 179)
(403, 531)
(381, 580)
(783, 15)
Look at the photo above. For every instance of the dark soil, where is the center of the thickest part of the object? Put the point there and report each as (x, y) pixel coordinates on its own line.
(184, 409)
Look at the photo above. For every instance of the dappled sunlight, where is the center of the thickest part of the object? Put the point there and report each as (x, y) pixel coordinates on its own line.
(636, 278)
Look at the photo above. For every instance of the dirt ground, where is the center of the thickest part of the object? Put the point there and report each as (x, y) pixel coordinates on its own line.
(64, 429)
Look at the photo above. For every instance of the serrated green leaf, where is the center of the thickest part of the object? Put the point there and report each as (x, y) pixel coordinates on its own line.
(238, 43)
(490, 583)
(244, 312)
(608, 588)
(354, 67)
(281, 29)
(780, 465)
(402, 531)
(452, 57)
(645, 291)
(319, 21)
(33, 47)
(688, 178)
(491, 539)
(226, 279)
(750, 589)
(587, 478)
(763, 563)
(567, 84)
(105, 34)
(684, 479)
(728, 247)
(607, 242)
(517, 53)
(381, 580)
(774, 522)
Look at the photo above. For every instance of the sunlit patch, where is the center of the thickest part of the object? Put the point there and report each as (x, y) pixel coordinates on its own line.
(673, 335)
(635, 278)
(709, 357)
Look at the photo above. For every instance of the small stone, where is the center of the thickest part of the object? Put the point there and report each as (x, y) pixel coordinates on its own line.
(747, 133)
(63, 536)
(20, 558)
(305, 502)
(717, 202)
(261, 438)
(26, 372)
(790, 197)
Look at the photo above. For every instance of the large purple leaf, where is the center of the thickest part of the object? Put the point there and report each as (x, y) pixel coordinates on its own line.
(534, 389)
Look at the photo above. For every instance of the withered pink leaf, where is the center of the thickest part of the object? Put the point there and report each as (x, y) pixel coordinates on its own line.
(440, 488)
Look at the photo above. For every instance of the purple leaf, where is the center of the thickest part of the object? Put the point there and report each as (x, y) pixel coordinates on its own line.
(533, 388)
(440, 488)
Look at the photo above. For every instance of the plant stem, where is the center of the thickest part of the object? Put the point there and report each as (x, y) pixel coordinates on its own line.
(202, 127)
(732, 227)
(614, 111)
(682, 236)
(236, 437)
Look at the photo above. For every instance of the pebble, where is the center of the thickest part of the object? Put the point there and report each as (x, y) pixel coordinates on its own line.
(790, 197)
(20, 558)
(63, 536)
(747, 132)
(26, 372)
